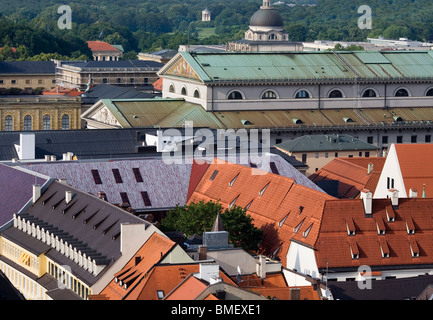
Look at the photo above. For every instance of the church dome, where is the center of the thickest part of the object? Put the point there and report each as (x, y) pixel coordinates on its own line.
(266, 18)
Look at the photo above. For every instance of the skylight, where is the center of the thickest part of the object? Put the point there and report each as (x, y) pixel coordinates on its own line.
(137, 174)
(264, 188)
(117, 176)
(233, 181)
(214, 174)
(96, 177)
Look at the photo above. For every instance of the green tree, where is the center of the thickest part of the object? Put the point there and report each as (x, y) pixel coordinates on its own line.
(197, 218)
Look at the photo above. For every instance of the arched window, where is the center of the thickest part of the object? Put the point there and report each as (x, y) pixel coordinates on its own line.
(429, 92)
(335, 94)
(171, 88)
(196, 93)
(402, 93)
(183, 91)
(235, 95)
(27, 123)
(369, 93)
(46, 122)
(9, 126)
(302, 94)
(65, 122)
(269, 95)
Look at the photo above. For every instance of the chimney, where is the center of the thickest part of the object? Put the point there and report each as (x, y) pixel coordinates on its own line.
(370, 168)
(36, 192)
(68, 196)
(26, 149)
(367, 199)
(295, 293)
(102, 195)
(261, 267)
(413, 193)
(393, 194)
(202, 252)
(209, 272)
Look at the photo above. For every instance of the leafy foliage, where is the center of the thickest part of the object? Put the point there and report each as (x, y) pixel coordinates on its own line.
(148, 26)
(197, 218)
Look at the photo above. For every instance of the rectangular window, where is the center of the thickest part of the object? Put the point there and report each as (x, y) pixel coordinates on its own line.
(214, 174)
(360, 153)
(428, 138)
(104, 80)
(96, 177)
(399, 139)
(385, 139)
(124, 197)
(273, 167)
(367, 154)
(304, 157)
(13, 81)
(137, 174)
(336, 155)
(1, 81)
(146, 198)
(117, 176)
(413, 139)
(326, 155)
(370, 140)
(316, 155)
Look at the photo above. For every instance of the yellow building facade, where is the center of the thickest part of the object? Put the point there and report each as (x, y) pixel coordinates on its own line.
(33, 275)
(42, 113)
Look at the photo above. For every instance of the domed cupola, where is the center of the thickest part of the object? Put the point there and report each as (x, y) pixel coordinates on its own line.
(266, 18)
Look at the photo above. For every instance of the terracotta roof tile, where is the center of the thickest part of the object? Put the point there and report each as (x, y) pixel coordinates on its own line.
(100, 46)
(415, 166)
(352, 174)
(133, 272)
(276, 204)
(333, 243)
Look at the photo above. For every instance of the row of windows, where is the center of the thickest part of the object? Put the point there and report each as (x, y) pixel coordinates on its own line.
(46, 122)
(27, 81)
(334, 93)
(184, 91)
(68, 280)
(131, 80)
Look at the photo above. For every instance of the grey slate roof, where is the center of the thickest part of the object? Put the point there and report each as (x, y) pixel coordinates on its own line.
(107, 91)
(88, 223)
(16, 190)
(114, 64)
(325, 142)
(27, 67)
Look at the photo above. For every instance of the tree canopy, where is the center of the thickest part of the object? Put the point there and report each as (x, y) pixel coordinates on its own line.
(147, 26)
(196, 218)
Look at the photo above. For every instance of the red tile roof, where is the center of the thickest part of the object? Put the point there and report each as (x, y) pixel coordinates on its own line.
(352, 174)
(415, 162)
(137, 268)
(333, 245)
(283, 209)
(189, 289)
(100, 46)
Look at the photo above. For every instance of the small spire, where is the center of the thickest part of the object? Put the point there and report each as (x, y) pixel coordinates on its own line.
(218, 224)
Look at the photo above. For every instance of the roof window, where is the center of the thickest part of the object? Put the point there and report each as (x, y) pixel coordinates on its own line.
(283, 220)
(233, 181)
(160, 294)
(414, 249)
(137, 174)
(354, 250)
(351, 231)
(96, 177)
(248, 205)
(117, 176)
(233, 202)
(214, 174)
(296, 229)
(307, 231)
(264, 188)
(410, 227)
(146, 198)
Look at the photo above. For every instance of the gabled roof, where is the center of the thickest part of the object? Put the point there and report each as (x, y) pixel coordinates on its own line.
(415, 161)
(350, 174)
(334, 244)
(88, 224)
(16, 190)
(121, 64)
(127, 279)
(97, 46)
(295, 66)
(108, 91)
(324, 142)
(164, 185)
(27, 67)
(284, 209)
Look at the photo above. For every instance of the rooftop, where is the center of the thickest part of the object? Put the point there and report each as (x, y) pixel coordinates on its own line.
(346, 177)
(322, 142)
(27, 67)
(100, 46)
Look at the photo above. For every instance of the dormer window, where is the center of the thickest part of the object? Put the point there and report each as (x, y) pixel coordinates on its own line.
(263, 190)
(233, 202)
(233, 181)
(354, 250)
(280, 224)
(295, 230)
(414, 249)
(307, 231)
(350, 226)
(380, 226)
(384, 249)
(410, 227)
